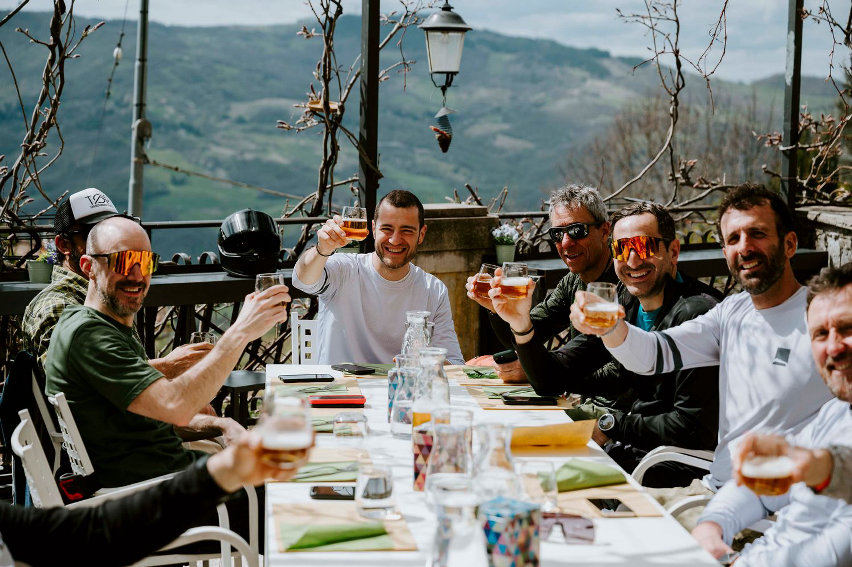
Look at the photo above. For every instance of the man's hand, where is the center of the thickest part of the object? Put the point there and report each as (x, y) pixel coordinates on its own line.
(231, 430)
(486, 302)
(578, 320)
(261, 311)
(709, 536)
(330, 236)
(511, 372)
(241, 463)
(813, 467)
(599, 436)
(180, 359)
(516, 312)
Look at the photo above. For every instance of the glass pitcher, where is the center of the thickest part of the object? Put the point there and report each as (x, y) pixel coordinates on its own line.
(459, 539)
(432, 373)
(452, 449)
(415, 332)
(401, 361)
(494, 470)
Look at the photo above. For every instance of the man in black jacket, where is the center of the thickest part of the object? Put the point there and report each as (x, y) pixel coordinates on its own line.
(678, 408)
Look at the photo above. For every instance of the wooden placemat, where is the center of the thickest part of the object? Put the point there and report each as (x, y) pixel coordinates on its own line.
(496, 404)
(575, 501)
(335, 513)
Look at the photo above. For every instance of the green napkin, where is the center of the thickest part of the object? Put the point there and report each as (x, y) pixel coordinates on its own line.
(340, 471)
(579, 473)
(366, 536)
(477, 372)
(495, 392)
(323, 424)
(289, 390)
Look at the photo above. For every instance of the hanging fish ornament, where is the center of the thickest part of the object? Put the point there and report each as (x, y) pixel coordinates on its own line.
(443, 129)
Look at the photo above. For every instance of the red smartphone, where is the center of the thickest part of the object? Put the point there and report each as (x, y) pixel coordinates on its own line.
(337, 401)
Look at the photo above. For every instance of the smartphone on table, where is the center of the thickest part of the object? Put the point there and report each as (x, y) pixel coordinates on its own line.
(505, 356)
(527, 400)
(353, 368)
(337, 401)
(333, 492)
(612, 507)
(298, 378)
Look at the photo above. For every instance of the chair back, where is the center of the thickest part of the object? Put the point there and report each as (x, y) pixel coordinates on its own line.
(303, 339)
(26, 445)
(81, 464)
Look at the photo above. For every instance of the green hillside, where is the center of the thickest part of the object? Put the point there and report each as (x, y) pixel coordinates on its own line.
(215, 94)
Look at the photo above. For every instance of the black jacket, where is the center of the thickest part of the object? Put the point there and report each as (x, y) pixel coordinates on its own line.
(677, 408)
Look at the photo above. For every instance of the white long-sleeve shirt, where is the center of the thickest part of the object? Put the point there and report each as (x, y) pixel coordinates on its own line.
(362, 315)
(767, 377)
(811, 530)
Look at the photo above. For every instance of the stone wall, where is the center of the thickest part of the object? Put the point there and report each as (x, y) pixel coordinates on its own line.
(829, 229)
(457, 237)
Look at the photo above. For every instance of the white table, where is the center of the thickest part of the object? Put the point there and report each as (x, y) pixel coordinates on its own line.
(622, 541)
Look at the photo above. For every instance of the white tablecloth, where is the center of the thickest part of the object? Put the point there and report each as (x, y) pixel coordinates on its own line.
(618, 541)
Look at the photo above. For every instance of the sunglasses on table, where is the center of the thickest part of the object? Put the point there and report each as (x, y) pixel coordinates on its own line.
(123, 262)
(576, 230)
(644, 246)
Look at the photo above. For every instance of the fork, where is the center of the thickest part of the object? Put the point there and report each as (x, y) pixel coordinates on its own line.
(327, 470)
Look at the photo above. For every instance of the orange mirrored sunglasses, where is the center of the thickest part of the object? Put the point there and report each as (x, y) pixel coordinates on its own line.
(123, 262)
(644, 246)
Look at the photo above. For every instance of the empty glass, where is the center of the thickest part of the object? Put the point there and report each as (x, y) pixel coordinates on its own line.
(350, 429)
(202, 337)
(539, 480)
(374, 497)
(265, 281)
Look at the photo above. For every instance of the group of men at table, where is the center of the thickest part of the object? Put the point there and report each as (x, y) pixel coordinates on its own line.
(717, 370)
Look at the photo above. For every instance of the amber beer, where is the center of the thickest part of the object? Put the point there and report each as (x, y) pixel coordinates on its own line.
(355, 229)
(600, 314)
(768, 476)
(278, 448)
(482, 286)
(514, 288)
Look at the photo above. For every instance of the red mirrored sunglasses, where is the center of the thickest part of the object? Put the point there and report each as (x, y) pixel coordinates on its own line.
(123, 262)
(644, 246)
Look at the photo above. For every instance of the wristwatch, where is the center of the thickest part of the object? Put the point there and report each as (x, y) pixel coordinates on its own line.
(606, 422)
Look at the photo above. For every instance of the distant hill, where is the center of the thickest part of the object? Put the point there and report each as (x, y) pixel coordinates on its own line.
(215, 94)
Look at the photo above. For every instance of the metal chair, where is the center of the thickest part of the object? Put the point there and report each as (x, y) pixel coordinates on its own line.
(304, 334)
(45, 494)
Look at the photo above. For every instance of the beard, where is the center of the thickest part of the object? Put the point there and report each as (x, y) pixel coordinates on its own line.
(840, 385)
(117, 307)
(761, 280)
(395, 263)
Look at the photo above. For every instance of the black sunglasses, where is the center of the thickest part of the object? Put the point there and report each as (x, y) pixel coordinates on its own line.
(576, 230)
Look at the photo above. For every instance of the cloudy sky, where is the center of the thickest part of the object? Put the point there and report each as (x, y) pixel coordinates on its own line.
(756, 28)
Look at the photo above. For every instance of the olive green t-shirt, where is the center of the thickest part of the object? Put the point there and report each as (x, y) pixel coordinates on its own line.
(101, 367)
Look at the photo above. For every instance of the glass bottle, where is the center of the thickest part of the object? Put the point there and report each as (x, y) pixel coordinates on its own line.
(415, 332)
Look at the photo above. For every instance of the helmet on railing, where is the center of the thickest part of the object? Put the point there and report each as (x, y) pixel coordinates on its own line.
(249, 243)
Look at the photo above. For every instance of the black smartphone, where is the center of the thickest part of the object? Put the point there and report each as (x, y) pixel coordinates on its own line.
(523, 400)
(505, 356)
(333, 492)
(612, 507)
(353, 369)
(292, 378)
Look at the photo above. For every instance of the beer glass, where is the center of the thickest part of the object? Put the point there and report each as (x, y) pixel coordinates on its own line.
(482, 284)
(265, 281)
(602, 314)
(767, 475)
(513, 283)
(202, 337)
(355, 223)
(284, 427)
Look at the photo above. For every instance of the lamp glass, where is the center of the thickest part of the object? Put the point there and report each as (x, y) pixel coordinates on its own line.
(444, 49)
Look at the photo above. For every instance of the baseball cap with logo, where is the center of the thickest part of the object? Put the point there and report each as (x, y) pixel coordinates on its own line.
(87, 207)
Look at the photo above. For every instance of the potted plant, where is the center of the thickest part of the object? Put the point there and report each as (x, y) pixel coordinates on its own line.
(41, 268)
(505, 237)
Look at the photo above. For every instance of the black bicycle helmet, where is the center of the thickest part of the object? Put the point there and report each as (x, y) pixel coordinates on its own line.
(249, 243)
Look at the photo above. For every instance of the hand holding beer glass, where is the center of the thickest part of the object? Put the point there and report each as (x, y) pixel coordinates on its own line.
(768, 465)
(355, 223)
(286, 430)
(601, 314)
(514, 280)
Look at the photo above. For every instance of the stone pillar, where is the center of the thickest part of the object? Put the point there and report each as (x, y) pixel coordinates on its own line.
(828, 228)
(457, 238)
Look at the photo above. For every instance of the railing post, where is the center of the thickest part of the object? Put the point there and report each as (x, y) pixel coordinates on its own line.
(792, 86)
(140, 127)
(368, 159)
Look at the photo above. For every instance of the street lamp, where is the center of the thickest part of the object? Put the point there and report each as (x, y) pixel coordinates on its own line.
(444, 43)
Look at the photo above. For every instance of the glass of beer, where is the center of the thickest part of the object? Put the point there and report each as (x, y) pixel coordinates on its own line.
(355, 223)
(767, 475)
(265, 281)
(482, 284)
(284, 427)
(602, 314)
(513, 283)
(202, 337)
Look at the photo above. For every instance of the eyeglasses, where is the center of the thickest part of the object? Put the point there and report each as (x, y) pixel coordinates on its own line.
(576, 230)
(123, 262)
(644, 246)
(575, 529)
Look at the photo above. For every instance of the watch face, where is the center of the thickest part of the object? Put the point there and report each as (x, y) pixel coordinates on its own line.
(606, 422)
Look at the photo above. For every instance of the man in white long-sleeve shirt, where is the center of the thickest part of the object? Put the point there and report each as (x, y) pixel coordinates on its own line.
(812, 528)
(363, 297)
(759, 338)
